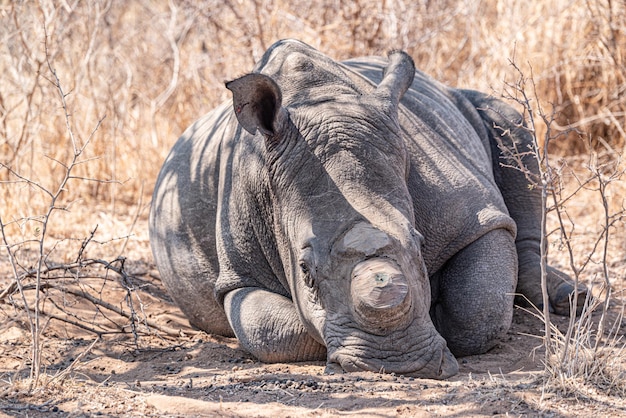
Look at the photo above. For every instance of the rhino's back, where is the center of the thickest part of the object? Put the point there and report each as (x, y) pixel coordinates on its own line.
(183, 218)
(187, 188)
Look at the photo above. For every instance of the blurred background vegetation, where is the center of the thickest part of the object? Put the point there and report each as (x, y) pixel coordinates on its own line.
(150, 68)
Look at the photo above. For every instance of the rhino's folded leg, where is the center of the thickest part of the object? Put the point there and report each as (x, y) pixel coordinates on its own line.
(473, 294)
(267, 325)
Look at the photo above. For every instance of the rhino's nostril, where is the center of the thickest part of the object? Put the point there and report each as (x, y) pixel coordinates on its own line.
(449, 366)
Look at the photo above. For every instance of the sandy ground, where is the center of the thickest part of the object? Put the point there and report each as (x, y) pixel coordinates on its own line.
(171, 370)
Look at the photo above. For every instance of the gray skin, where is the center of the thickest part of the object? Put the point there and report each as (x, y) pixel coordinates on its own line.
(303, 217)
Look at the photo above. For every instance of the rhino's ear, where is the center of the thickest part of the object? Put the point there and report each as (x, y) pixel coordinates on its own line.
(397, 77)
(256, 100)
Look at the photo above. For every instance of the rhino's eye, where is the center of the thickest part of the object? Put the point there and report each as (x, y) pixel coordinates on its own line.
(309, 278)
(304, 268)
(418, 237)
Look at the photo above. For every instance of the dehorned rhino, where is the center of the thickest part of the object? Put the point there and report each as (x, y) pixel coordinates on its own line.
(358, 212)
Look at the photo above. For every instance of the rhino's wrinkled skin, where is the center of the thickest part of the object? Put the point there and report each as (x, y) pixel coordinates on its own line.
(356, 212)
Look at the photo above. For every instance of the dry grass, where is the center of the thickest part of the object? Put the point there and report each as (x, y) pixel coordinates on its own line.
(588, 357)
(134, 75)
(150, 68)
(587, 362)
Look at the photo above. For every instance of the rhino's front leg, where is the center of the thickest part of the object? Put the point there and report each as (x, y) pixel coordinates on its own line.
(473, 292)
(267, 325)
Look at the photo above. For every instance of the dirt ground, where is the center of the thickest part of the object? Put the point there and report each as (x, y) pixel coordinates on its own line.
(193, 374)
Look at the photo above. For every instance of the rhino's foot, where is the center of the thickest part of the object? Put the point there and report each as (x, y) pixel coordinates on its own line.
(562, 299)
(333, 368)
(561, 290)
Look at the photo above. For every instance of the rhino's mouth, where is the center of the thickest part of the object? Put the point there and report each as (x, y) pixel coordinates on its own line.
(425, 358)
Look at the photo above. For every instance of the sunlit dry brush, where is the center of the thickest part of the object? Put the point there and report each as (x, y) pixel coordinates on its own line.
(149, 69)
(587, 358)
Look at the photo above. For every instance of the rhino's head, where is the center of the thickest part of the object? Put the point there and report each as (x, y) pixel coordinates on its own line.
(337, 170)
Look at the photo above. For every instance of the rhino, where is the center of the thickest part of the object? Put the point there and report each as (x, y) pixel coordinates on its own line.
(357, 212)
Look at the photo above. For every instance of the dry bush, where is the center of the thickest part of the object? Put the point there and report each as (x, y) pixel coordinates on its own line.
(153, 67)
(43, 289)
(587, 359)
(588, 356)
